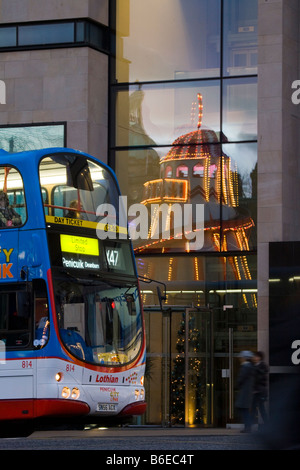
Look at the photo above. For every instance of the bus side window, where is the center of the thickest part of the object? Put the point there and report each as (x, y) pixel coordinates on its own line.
(14, 319)
(41, 313)
(13, 211)
(45, 200)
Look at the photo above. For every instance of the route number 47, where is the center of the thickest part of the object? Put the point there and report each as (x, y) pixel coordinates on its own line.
(112, 257)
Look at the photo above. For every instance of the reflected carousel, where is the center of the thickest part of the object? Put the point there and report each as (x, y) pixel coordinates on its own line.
(197, 172)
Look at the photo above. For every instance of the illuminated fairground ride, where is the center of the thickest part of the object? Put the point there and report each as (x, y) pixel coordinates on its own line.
(197, 171)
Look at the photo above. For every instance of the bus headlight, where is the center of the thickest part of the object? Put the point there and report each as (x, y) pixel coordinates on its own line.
(66, 392)
(136, 393)
(58, 376)
(75, 393)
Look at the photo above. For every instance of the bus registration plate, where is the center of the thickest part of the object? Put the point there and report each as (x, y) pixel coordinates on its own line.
(106, 407)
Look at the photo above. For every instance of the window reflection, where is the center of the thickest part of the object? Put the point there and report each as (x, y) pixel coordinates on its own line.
(158, 114)
(177, 151)
(42, 34)
(13, 211)
(137, 167)
(240, 37)
(177, 141)
(201, 280)
(240, 109)
(145, 56)
(46, 34)
(8, 36)
(182, 171)
(197, 170)
(18, 139)
(244, 157)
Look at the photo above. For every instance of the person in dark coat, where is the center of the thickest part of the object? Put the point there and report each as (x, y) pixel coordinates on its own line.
(260, 392)
(245, 384)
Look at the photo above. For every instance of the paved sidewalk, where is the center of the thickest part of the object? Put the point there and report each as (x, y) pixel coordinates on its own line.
(147, 438)
(138, 431)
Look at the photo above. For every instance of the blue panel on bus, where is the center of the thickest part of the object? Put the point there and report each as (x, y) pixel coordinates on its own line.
(9, 255)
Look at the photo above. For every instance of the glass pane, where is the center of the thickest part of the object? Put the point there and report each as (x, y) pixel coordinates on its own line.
(159, 114)
(240, 109)
(8, 37)
(46, 34)
(200, 280)
(42, 324)
(96, 323)
(194, 174)
(160, 40)
(239, 209)
(240, 37)
(95, 35)
(155, 368)
(183, 177)
(12, 198)
(134, 168)
(284, 289)
(18, 139)
(198, 380)
(80, 186)
(80, 36)
(177, 379)
(14, 319)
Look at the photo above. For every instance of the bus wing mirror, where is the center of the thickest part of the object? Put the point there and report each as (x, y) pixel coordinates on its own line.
(78, 175)
(130, 302)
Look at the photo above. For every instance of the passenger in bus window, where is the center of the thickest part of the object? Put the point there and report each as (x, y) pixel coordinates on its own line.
(73, 212)
(8, 216)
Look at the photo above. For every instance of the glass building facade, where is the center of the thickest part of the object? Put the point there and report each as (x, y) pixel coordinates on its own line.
(166, 92)
(184, 131)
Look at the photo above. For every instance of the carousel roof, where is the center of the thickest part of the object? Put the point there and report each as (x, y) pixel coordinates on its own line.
(201, 143)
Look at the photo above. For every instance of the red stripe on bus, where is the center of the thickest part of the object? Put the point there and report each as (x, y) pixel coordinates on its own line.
(28, 409)
(134, 409)
(55, 407)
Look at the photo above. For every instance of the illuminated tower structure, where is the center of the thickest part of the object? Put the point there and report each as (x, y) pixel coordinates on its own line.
(196, 171)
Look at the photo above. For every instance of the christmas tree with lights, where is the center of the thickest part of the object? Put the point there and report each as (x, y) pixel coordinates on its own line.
(196, 378)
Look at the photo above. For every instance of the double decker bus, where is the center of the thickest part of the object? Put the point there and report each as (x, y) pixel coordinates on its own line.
(72, 339)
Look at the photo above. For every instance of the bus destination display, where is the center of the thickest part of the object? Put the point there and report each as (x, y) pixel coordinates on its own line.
(79, 252)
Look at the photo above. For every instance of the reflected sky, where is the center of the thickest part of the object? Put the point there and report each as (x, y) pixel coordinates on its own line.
(181, 39)
(19, 139)
(162, 42)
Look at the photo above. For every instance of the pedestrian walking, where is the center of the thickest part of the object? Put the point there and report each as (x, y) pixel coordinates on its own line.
(260, 391)
(245, 384)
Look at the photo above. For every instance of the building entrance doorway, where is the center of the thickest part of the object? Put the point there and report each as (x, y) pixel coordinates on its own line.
(192, 364)
(179, 366)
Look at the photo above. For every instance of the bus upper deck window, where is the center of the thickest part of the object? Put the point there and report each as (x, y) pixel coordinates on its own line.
(12, 199)
(74, 186)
